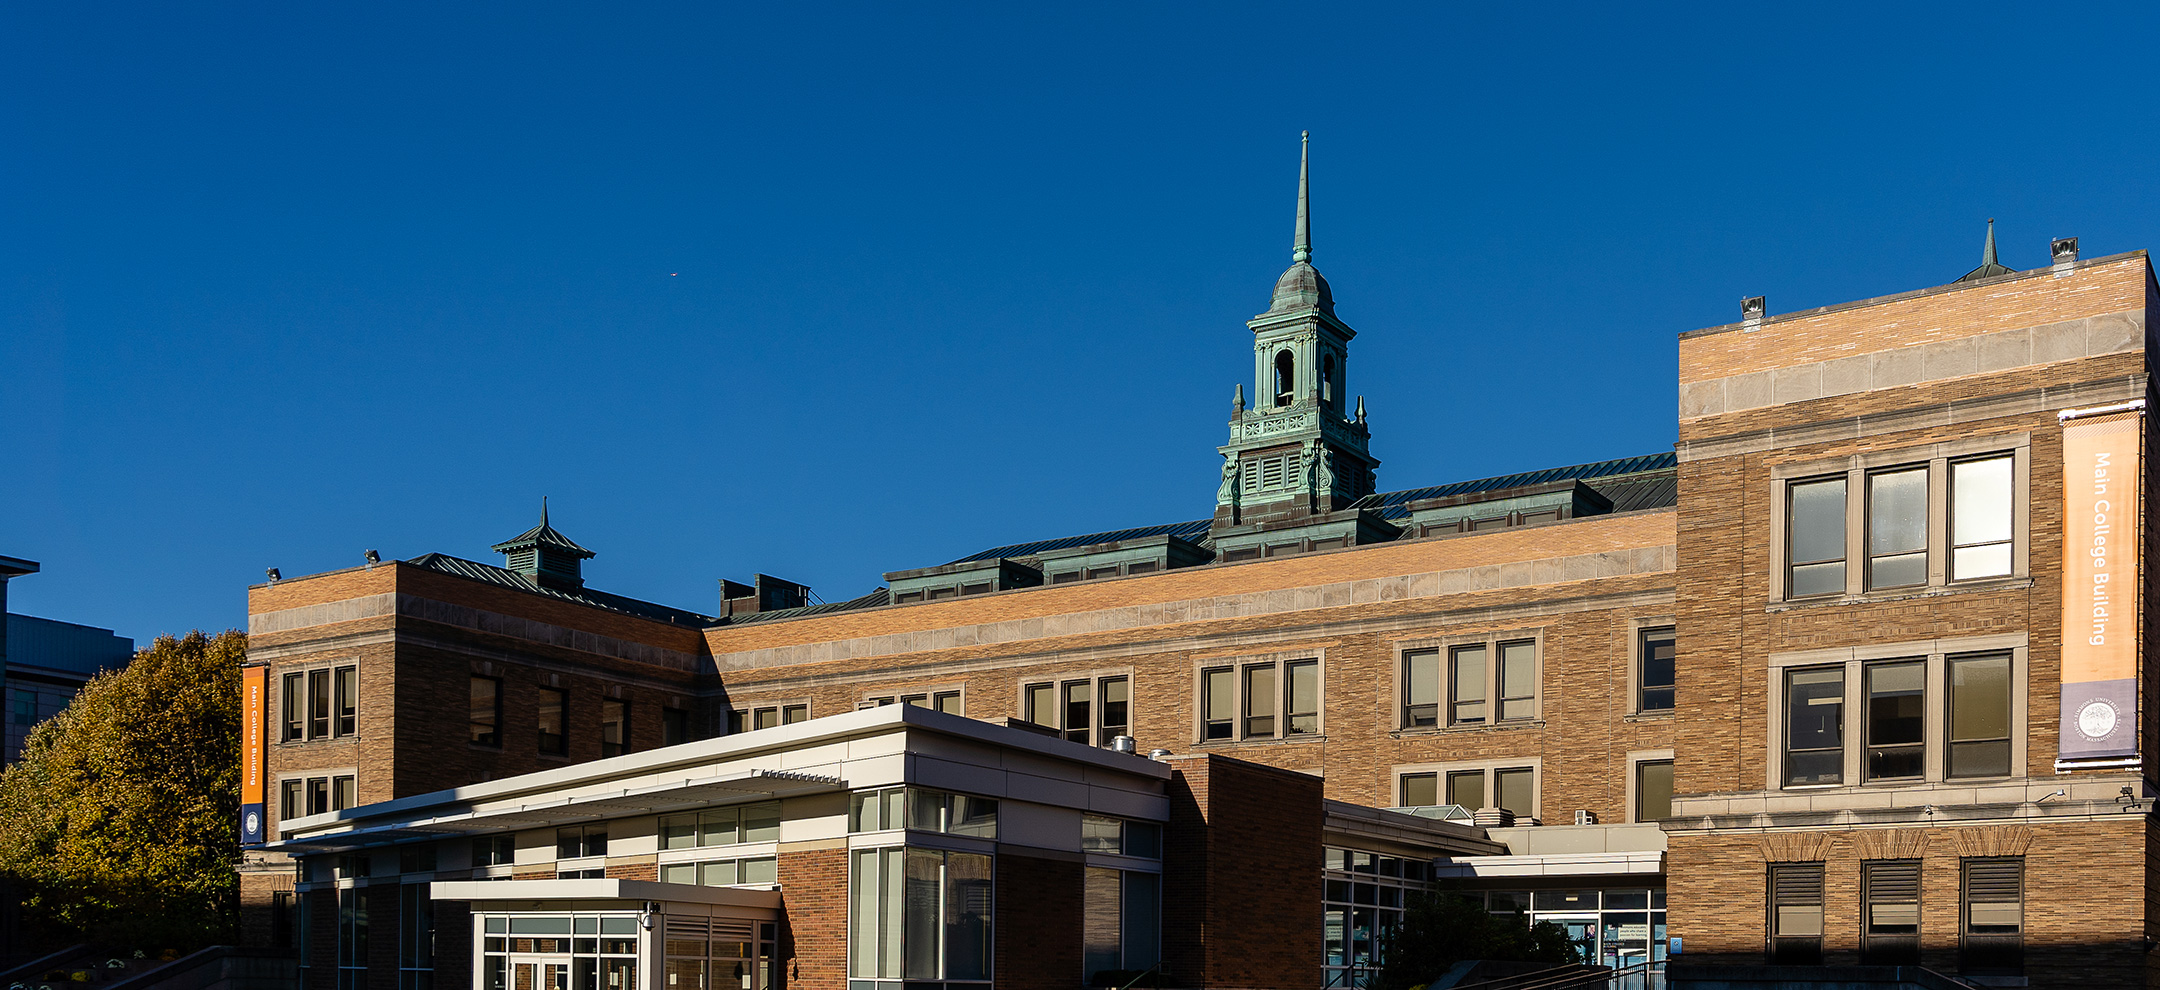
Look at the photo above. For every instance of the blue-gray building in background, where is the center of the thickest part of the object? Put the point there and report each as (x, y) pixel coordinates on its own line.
(43, 662)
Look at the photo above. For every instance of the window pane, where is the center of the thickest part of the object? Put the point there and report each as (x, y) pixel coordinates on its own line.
(1421, 687)
(1143, 920)
(791, 714)
(924, 889)
(1815, 726)
(295, 708)
(717, 874)
(1304, 694)
(1420, 790)
(1817, 521)
(1468, 684)
(1101, 905)
(348, 700)
(1041, 705)
(1466, 788)
(1982, 561)
(1260, 700)
(1653, 791)
(967, 916)
(719, 828)
(486, 711)
(1116, 707)
(678, 832)
(1100, 835)
(926, 809)
(863, 916)
(761, 822)
(1143, 839)
(1979, 716)
(1818, 579)
(1655, 677)
(759, 869)
(1218, 694)
(1076, 710)
(1897, 511)
(614, 727)
(318, 703)
(1896, 713)
(765, 718)
(1980, 502)
(552, 737)
(1517, 791)
(1518, 679)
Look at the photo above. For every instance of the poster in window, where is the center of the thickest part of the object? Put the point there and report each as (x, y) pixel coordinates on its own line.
(254, 681)
(2101, 475)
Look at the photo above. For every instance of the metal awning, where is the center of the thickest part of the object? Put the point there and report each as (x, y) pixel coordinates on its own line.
(682, 795)
(537, 895)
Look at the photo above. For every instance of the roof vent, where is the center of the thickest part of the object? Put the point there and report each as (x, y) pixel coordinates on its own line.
(2063, 250)
(1124, 744)
(1751, 309)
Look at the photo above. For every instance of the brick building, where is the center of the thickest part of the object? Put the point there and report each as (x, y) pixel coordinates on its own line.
(1796, 686)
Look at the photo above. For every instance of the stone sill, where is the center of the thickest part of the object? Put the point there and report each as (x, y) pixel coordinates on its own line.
(1902, 594)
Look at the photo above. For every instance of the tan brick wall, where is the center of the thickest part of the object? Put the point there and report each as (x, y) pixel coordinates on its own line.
(814, 912)
(2083, 928)
(1945, 313)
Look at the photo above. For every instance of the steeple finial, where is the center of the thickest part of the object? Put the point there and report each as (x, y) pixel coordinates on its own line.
(543, 510)
(1988, 265)
(1302, 249)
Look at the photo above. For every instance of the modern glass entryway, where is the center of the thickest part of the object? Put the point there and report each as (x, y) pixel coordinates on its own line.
(559, 952)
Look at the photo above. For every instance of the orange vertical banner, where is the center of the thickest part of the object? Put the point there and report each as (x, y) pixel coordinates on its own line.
(2102, 473)
(254, 704)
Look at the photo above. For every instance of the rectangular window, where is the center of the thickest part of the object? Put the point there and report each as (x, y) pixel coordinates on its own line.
(744, 720)
(292, 799)
(579, 841)
(920, 914)
(1116, 711)
(1078, 703)
(1796, 913)
(614, 727)
(1897, 528)
(1815, 726)
(1992, 916)
(1121, 925)
(1041, 705)
(494, 850)
(1979, 716)
(948, 702)
(1981, 526)
(1653, 790)
(352, 938)
(295, 708)
(1466, 789)
(416, 937)
(1421, 688)
(1516, 790)
(1655, 652)
(1518, 680)
(1420, 790)
(416, 859)
(1890, 906)
(1896, 720)
(348, 700)
(554, 712)
(674, 726)
(487, 711)
(1815, 537)
(1260, 700)
(1302, 710)
(1218, 703)
(318, 703)
(343, 793)
(318, 795)
(1467, 682)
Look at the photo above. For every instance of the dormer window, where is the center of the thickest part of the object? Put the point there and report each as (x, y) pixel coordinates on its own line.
(1285, 377)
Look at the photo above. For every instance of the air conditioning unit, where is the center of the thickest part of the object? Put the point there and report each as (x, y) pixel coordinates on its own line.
(1586, 818)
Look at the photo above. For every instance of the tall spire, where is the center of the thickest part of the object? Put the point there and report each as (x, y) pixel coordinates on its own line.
(1302, 249)
(1988, 265)
(543, 511)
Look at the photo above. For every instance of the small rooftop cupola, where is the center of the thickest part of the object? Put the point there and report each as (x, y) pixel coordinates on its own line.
(1988, 265)
(1296, 449)
(545, 556)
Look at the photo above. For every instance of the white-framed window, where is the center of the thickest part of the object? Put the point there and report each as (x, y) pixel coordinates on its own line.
(1469, 681)
(1901, 521)
(1086, 707)
(320, 702)
(922, 809)
(767, 716)
(1267, 696)
(1899, 713)
(1513, 784)
(1650, 785)
(918, 915)
(950, 700)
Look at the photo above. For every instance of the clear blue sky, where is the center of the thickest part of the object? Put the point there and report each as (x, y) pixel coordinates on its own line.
(826, 291)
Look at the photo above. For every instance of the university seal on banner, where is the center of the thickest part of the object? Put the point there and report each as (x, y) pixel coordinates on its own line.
(2096, 719)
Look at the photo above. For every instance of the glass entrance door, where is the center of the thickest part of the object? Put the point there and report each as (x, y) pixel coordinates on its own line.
(540, 972)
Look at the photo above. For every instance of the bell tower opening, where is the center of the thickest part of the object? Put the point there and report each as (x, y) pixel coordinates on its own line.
(1285, 377)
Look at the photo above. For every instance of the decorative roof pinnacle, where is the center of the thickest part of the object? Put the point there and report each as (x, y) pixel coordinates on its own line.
(1301, 249)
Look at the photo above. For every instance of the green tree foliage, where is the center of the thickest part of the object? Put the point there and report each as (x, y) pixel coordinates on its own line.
(1443, 928)
(118, 825)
